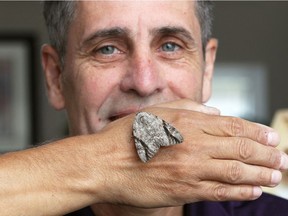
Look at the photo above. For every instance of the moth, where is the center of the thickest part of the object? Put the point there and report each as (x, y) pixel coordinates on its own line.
(150, 133)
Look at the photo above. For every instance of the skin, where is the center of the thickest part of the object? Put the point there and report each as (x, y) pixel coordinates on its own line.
(138, 72)
(162, 72)
(149, 61)
(117, 65)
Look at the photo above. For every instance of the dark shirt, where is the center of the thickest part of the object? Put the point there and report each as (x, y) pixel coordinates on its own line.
(266, 205)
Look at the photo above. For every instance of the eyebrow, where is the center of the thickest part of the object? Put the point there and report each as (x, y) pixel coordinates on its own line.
(124, 32)
(173, 30)
(104, 33)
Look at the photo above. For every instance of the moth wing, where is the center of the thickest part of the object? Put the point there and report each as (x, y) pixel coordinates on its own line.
(146, 150)
(172, 133)
(151, 132)
(144, 131)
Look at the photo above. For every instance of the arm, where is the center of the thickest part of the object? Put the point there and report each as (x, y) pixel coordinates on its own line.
(49, 180)
(222, 158)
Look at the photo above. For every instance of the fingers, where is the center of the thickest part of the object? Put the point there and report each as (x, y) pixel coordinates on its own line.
(238, 173)
(237, 160)
(226, 192)
(236, 127)
(229, 157)
(225, 126)
(248, 151)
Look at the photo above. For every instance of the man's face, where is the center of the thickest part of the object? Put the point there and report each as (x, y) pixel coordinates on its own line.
(123, 56)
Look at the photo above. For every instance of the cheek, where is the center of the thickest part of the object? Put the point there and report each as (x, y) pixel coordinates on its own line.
(185, 80)
(187, 85)
(85, 97)
(185, 76)
(93, 91)
(86, 88)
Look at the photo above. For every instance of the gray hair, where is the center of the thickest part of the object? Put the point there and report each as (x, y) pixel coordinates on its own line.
(59, 15)
(204, 14)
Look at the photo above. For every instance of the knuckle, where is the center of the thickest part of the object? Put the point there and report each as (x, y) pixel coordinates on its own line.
(221, 192)
(234, 172)
(244, 149)
(236, 126)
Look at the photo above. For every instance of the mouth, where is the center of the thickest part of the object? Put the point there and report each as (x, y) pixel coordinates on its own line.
(121, 114)
(116, 117)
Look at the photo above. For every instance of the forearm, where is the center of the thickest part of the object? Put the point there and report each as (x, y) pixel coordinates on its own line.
(104, 168)
(48, 180)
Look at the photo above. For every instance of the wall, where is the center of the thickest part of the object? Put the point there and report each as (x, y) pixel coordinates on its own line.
(256, 32)
(26, 18)
(247, 32)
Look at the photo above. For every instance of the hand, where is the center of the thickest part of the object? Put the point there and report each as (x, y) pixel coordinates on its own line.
(188, 104)
(221, 158)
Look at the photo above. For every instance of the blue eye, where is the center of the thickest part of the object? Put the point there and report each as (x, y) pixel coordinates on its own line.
(169, 47)
(107, 50)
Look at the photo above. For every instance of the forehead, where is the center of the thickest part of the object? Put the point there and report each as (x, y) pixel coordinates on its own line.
(134, 15)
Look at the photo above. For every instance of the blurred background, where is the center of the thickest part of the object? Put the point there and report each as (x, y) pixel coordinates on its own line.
(250, 77)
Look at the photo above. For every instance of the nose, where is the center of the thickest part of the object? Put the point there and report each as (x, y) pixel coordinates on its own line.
(143, 75)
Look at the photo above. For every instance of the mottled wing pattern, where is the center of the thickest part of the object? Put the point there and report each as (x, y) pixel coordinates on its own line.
(151, 132)
(173, 135)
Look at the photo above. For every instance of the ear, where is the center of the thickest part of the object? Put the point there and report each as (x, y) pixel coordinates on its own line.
(53, 76)
(210, 56)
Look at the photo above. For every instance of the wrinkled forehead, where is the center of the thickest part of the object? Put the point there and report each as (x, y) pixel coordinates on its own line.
(119, 2)
(102, 4)
(149, 8)
(135, 15)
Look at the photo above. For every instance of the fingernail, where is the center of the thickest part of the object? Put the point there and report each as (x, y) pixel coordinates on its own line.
(284, 161)
(257, 191)
(276, 177)
(273, 138)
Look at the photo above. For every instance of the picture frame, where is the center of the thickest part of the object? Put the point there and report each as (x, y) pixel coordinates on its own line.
(16, 91)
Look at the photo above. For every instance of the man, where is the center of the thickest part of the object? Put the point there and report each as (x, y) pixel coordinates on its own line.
(109, 60)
